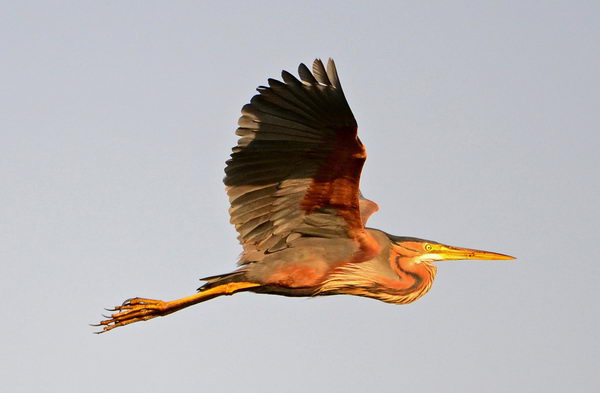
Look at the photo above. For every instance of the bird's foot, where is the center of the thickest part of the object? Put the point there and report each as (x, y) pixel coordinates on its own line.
(133, 310)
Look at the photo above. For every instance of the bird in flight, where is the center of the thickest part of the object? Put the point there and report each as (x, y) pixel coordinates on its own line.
(293, 185)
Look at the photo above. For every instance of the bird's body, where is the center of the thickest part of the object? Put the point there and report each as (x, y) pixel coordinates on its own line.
(315, 266)
(293, 184)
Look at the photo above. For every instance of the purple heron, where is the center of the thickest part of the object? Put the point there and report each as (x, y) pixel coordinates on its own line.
(293, 186)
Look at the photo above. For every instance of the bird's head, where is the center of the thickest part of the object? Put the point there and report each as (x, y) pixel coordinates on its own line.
(421, 250)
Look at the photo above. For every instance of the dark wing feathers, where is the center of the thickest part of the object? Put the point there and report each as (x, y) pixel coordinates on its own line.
(296, 167)
(321, 74)
(306, 75)
(333, 75)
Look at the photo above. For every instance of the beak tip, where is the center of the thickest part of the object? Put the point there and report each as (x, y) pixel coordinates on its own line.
(504, 257)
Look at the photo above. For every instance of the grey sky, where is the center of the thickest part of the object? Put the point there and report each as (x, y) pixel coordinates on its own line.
(481, 120)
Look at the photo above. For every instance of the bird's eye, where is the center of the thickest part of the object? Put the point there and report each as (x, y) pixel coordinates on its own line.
(428, 247)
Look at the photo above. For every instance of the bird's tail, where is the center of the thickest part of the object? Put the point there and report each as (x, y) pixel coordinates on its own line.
(221, 279)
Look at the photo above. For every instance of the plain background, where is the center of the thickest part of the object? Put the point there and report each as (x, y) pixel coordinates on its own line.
(481, 120)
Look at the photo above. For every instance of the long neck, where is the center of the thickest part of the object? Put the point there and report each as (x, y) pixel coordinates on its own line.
(393, 276)
(414, 277)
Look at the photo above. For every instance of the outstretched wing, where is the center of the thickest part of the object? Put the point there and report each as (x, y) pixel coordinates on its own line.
(296, 168)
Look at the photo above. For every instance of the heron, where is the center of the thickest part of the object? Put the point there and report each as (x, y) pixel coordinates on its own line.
(293, 187)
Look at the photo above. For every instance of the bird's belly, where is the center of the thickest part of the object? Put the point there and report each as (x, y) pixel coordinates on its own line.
(296, 276)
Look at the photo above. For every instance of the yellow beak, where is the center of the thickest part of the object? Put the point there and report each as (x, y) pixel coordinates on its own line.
(450, 253)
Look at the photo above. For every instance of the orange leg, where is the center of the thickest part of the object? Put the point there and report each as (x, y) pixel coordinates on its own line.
(140, 309)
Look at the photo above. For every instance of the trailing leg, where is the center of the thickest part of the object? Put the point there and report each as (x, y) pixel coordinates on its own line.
(141, 309)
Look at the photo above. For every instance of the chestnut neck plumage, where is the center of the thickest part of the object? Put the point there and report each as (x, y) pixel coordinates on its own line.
(396, 275)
